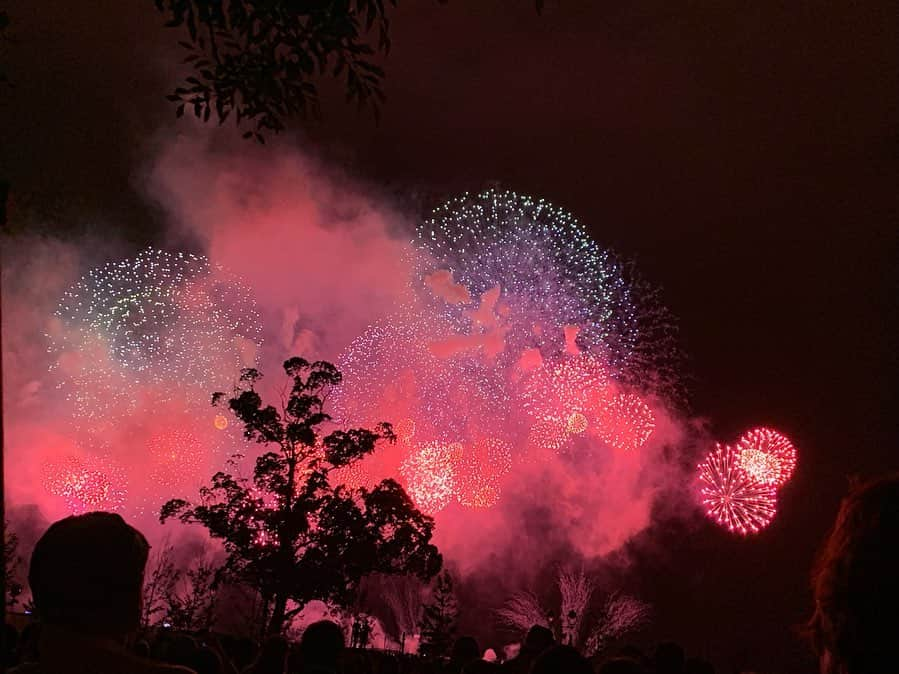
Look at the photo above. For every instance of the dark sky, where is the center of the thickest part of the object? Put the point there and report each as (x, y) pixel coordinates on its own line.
(746, 153)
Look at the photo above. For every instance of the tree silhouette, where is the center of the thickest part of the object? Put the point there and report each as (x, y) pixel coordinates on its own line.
(192, 605)
(11, 563)
(438, 622)
(159, 584)
(259, 59)
(289, 532)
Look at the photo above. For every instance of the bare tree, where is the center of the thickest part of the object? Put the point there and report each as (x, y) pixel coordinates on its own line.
(403, 596)
(621, 614)
(159, 585)
(577, 591)
(192, 605)
(522, 611)
(617, 616)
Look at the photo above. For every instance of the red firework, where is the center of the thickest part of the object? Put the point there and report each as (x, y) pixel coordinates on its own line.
(556, 391)
(480, 472)
(547, 435)
(430, 475)
(86, 483)
(624, 421)
(767, 456)
(176, 456)
(733, 498)
(404, 429)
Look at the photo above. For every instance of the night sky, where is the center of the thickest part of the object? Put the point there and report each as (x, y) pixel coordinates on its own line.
(746, 154)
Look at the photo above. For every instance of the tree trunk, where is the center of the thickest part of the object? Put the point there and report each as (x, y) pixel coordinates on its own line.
(278, 611)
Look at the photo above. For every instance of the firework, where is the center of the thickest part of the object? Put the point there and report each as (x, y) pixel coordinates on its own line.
(86, 482)
(176, 457)
(165, 321)
(549, 271)
(430, 475)
(623, 421)
(560, 390)
(220, 422)
(733, 498)
(577, 423)
(404, 429)
(480, 471)
(767, 456)
(547, 435)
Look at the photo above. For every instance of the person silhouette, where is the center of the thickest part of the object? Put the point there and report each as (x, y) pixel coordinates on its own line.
(856, 584)
(320, 648)
(86, 576)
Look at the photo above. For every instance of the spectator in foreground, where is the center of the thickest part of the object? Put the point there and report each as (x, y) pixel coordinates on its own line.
(856, 584)
(86, 577)
(321, 647)
(465, 651)
(669, 658)
(621, 665)
(272, 657)
(538, 639)
(560, 659)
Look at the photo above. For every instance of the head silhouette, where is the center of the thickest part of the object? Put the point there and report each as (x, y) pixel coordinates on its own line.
(465, 650)
(87, 573)
(561, 659)
(856, 585)
(538, 639)
(321, 645)
(669, 658)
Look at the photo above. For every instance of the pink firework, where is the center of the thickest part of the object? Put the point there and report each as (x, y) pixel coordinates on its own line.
(176, 456)
(577, 423)
(733, 498)
(558, 390)
(480, 471)
(430, 475)
(623, 421)
(767, 456)
(86, 483)
(547, 435)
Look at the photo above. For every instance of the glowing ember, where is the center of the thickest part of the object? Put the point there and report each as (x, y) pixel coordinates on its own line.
(624, 421)
(767, 456)
(731, 497)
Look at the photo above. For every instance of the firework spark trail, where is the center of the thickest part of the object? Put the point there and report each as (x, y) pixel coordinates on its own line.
(732, 498)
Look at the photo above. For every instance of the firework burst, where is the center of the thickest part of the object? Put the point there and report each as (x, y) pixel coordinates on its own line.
(623, 421)
(429, 471)
(158, 326)
(767, 456)
(86, 482)
(480, 471)
(731, 497)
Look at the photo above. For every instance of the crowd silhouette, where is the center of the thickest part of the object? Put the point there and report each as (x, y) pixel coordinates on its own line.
(87, 571)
